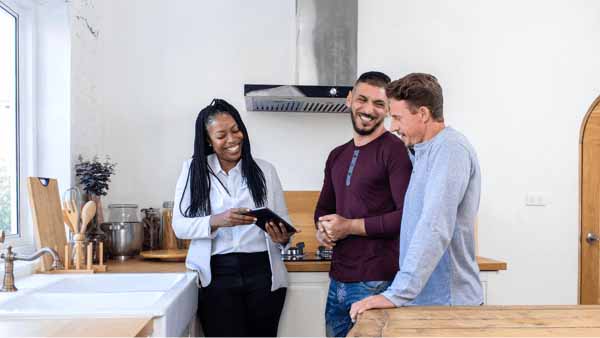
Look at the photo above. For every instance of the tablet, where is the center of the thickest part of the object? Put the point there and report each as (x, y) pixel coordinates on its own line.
(264, 215)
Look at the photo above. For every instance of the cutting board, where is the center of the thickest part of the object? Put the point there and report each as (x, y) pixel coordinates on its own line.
(46, 211)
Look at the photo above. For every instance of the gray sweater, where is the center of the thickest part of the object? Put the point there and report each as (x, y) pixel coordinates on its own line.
(437, 247)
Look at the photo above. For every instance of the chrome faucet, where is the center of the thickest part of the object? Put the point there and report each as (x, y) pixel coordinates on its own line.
(9, 257)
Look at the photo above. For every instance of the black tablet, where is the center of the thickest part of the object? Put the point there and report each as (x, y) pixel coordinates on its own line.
(264, 215)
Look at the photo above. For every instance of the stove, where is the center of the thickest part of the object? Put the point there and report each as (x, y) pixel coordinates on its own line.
(324, 253)
(296, 253)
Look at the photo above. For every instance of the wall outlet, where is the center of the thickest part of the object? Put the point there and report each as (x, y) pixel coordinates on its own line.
(537, 199)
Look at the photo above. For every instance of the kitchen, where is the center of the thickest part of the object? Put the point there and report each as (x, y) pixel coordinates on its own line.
(127, 78)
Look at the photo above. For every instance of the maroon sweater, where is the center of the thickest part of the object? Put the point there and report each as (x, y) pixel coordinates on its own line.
(372, 188)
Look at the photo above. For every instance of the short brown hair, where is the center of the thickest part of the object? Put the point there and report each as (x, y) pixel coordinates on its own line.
(419, 90)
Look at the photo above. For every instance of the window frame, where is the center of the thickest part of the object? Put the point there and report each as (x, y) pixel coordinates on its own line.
(25, 12)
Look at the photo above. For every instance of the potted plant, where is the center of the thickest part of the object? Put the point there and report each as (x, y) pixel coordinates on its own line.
(94, 176)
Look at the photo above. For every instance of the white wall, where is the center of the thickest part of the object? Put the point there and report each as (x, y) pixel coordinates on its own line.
(140, 84)
(518, 78)
(53, 92)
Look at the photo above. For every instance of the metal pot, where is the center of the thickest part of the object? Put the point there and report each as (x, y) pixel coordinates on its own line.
(123, 239)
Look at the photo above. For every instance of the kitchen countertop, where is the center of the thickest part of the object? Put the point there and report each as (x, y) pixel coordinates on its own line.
(80, 327)
(480, 321)
(138, 264)
(141, 265)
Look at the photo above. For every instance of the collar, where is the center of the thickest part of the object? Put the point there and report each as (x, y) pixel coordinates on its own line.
(215, 165)
(439, 136)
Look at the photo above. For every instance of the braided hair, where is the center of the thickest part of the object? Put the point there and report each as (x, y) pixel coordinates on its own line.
(199, 172)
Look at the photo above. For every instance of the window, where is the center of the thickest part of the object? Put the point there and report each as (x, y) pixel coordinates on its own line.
(9, 121)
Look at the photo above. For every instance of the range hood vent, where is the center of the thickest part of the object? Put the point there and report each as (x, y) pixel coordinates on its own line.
(299, 99)
(326, 35)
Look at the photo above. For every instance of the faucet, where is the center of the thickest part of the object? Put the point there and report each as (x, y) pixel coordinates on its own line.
(9, 257)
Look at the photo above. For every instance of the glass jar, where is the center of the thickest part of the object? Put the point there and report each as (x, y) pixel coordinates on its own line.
(169, 241)
(83, 242)
(152, 229)
(123, 213)
(97, 236)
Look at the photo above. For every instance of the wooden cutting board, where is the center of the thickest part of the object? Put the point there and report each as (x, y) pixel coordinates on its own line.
(173, 255)
(46, 211)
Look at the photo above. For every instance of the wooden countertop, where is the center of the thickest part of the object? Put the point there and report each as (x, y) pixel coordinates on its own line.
(488, 264)
(480, 321)
(137, 265)
(76, 327)
(140, 265)
(485, 264)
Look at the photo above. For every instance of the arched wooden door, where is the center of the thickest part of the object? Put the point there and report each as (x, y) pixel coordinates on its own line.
(589, 242)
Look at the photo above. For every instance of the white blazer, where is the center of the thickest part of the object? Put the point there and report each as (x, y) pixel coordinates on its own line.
(198, 228)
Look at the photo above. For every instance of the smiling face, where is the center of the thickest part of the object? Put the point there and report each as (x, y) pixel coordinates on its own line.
(226, 139)
(368, 104)
(408, 123)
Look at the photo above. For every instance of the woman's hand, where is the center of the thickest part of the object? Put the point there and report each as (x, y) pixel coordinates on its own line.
(231, 217)
(278, 232)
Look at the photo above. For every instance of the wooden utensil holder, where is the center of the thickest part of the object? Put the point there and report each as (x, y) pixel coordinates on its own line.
(82, 259)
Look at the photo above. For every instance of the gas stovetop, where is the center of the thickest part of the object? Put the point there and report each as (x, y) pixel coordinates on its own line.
(296, 253)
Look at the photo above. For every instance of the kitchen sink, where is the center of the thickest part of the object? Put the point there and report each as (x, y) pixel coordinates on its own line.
(39, 303)
(115, 283)
(169, 298)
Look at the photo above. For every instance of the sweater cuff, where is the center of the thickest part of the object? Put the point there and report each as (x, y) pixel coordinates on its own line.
(373, 226)
(395, 299)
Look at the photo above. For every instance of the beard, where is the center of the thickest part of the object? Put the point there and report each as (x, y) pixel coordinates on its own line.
(366, 131)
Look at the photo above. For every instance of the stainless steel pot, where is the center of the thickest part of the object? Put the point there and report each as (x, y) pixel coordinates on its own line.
(123, 239)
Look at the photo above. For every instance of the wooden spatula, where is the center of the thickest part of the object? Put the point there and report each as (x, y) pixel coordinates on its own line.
(67, 220)
(72, 213)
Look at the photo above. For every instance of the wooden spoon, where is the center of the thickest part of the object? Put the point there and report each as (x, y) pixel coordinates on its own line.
(87, 213)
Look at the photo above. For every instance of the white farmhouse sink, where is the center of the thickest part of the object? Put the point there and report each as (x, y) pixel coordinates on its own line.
(170, 298)
(39, 303)
(114, 283)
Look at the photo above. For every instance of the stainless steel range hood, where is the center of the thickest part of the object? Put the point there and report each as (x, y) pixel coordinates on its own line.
(326, 33)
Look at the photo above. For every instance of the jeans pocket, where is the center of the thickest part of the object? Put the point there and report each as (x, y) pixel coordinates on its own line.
(375, 286)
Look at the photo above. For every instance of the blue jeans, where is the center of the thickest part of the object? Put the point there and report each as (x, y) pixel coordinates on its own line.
(339, 300)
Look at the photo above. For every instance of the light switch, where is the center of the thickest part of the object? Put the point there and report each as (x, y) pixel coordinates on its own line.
(537, 199)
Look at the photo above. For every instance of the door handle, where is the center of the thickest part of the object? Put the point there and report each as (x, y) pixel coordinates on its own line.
(592, 237)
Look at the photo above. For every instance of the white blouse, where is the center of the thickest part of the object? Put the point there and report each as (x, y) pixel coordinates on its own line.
(230, 192)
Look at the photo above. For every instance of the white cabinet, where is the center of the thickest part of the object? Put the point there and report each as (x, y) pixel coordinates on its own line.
(489, 281)
(304, 310)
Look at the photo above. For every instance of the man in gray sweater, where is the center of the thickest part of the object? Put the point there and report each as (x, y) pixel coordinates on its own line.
(437, 245)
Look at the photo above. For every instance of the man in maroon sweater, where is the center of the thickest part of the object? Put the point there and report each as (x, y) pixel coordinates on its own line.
(360, 206)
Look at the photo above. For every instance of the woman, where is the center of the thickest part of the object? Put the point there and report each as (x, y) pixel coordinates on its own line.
(243, 279)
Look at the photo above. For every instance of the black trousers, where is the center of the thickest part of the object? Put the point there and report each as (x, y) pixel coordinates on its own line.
(239, 302)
